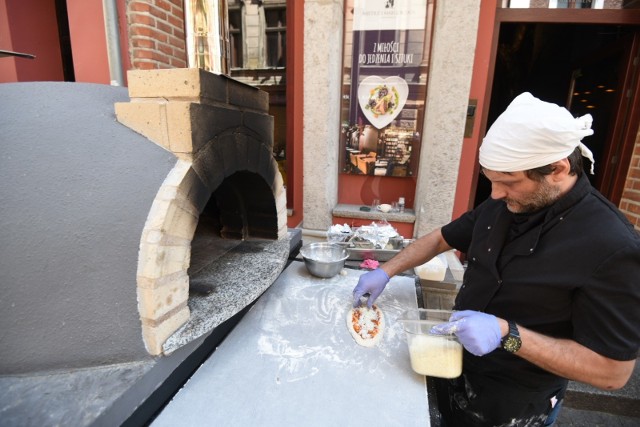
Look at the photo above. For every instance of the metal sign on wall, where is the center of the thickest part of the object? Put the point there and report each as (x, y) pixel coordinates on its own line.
(386, 56)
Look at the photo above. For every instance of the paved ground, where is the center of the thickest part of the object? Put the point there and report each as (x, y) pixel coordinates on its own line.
(570, 417)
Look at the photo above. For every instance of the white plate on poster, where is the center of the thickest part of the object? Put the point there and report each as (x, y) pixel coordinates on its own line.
(382, 99)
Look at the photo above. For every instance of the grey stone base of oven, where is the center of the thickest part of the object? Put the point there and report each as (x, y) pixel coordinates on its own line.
(126, 394)
(129, 394)
(228, 285)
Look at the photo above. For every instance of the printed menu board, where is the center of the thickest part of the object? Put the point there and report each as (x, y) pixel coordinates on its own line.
(386, 57)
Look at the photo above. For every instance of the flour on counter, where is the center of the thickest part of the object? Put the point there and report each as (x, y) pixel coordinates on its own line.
(303, 329)
(292, 358)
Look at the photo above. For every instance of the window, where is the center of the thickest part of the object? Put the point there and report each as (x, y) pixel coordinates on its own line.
(235, 37)
(275, 29)
(234, 10)
(257, 33)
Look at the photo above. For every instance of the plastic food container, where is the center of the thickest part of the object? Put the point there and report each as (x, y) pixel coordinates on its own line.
(435, 269)
(430, 354)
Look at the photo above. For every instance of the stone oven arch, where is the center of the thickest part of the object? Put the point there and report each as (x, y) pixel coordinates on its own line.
(226, 175)
(226, 165)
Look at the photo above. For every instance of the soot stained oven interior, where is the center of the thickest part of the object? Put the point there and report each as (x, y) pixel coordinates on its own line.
(241, 209)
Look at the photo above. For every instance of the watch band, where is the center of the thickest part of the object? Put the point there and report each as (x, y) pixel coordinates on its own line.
(512, 342)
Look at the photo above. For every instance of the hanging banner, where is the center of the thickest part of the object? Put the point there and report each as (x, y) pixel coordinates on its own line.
(384, 85)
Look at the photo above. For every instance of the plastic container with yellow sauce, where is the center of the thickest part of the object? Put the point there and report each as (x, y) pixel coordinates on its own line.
(430, 354)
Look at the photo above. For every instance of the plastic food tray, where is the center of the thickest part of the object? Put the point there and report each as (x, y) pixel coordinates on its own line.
(361, 253)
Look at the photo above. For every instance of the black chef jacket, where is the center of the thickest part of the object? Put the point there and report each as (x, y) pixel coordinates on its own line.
(569, 271)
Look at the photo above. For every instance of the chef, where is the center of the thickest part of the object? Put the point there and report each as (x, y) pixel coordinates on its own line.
(551, 291)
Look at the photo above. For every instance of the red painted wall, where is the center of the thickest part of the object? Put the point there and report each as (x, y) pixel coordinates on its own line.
(88, 41)
(29, 26)
(361, 190)
(7, 65)
(295, 90)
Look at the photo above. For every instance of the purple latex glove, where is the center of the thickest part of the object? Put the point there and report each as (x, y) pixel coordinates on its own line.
(478, 332)
(372, 283)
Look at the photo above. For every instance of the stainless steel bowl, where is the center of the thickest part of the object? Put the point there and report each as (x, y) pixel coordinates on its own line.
(324, 259)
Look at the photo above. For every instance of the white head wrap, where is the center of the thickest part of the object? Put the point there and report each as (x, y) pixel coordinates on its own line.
(533, 133)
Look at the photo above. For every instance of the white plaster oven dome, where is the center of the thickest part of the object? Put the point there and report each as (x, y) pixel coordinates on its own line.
(97, 222)
(76, 189)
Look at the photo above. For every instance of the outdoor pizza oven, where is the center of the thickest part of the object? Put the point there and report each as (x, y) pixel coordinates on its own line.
(133, 223)
(225, 189)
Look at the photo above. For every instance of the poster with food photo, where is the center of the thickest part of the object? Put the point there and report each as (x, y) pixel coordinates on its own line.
(384, 86)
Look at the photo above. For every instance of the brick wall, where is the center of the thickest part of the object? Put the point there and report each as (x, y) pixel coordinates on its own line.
(156, 34)
(630, 202)
(608, 4)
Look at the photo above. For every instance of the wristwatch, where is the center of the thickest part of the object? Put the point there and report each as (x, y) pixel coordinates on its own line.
(512, 342)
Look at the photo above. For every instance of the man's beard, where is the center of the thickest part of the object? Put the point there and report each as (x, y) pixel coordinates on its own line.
(545, 195)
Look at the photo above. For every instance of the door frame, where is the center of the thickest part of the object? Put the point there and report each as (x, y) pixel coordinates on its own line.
(618, 156)
(626, 125)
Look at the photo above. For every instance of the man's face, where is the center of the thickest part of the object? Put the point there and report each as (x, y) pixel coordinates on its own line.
(520, 193)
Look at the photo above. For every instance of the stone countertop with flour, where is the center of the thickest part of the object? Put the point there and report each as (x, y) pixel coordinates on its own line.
(292, 361)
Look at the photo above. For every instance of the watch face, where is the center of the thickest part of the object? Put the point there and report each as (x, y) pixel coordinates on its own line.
(512, 344)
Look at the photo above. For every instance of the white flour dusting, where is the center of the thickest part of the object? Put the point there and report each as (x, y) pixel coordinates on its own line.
(304, 329)
(293, 358)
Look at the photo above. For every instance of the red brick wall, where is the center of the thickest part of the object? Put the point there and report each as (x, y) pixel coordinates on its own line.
(156, 34)
(608, 4)
(630, 202)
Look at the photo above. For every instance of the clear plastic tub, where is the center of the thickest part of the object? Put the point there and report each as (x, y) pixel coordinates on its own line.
(430, 354)
(435, 269)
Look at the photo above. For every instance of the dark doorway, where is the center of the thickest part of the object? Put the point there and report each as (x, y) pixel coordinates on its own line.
(587, 68)
(65, 41)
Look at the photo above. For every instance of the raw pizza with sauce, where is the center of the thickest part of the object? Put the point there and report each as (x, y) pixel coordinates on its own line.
(366, 325)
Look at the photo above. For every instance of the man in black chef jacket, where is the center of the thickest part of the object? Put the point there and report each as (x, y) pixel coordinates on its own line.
(552, 287)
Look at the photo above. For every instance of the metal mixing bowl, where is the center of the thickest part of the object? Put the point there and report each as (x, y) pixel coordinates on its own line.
(324, 259)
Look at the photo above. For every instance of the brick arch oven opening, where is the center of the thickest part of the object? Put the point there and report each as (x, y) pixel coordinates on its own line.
(242, 207)
(216, 235)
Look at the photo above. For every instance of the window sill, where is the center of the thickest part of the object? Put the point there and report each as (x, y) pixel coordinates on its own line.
(353, 211)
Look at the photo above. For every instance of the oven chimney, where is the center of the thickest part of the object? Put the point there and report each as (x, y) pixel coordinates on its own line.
(207, 25)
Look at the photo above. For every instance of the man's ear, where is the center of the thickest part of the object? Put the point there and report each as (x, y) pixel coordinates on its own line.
(561, 170)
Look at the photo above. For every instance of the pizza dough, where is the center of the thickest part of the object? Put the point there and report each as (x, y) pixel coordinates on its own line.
(366, 325)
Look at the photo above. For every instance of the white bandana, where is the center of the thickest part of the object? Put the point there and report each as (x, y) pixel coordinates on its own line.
(533, 133)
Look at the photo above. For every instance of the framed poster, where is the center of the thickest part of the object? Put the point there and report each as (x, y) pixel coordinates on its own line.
(386, 57)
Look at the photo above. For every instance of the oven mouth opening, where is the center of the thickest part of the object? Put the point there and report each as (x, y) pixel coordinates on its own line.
(239, 215)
